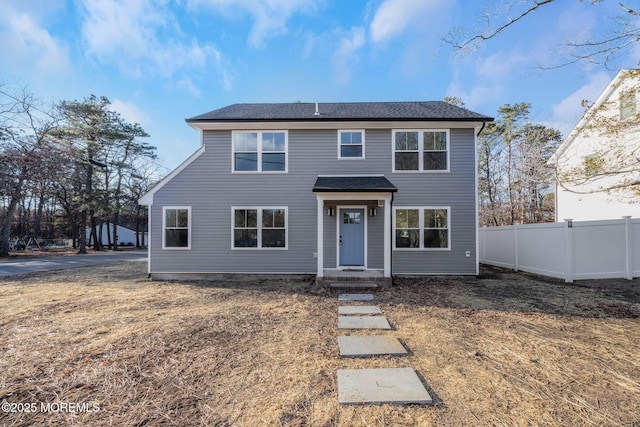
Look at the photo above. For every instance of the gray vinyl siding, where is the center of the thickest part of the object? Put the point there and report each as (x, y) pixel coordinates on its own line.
(376, 241)
(210, 189)
(456, 190)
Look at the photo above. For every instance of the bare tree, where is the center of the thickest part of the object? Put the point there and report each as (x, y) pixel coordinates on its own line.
(25, 127)
(514, 180)
(603, 49)
(533, 176)
(490, 175)
(135, 186)
(125, 152)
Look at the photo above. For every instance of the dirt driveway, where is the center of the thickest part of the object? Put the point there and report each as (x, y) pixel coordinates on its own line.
(107, 346)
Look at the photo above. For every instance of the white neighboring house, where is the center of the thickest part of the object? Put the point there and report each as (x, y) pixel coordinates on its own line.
(126, 236)
(585, 154)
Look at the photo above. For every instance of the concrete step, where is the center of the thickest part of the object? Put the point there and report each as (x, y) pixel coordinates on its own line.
(353, 279)
(353, 285)
(356, 297)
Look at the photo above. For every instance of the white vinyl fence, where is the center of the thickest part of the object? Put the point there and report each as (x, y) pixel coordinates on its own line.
(570, 250)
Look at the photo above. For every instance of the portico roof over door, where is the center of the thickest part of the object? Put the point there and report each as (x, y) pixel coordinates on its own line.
(349, 183)
(351, 188)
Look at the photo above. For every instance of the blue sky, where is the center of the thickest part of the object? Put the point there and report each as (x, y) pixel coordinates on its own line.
(162, 61)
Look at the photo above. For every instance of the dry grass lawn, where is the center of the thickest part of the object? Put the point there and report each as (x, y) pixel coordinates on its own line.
(503, 349)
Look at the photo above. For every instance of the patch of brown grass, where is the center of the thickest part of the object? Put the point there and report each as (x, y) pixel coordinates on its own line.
(505, 349)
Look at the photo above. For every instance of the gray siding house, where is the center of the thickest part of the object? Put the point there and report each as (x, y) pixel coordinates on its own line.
(383, 187)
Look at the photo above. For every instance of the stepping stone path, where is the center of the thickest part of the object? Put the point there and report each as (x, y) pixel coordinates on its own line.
(358, 309)
(363, 322)
(363, 346)
(366, 386)
(393, 385)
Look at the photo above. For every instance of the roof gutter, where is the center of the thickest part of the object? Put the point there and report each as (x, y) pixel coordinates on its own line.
(334, 124)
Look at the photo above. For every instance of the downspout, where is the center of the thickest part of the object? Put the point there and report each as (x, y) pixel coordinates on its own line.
(477, 197)
(391, 240)
(555, 196)
(481, 129)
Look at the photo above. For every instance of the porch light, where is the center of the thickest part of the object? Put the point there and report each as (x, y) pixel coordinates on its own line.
(373, 211)
(331, 211)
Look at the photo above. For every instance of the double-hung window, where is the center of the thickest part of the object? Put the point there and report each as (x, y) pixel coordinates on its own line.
(260, 151)
(421, 150)
(259, 228)
(351, 144)
(422, 228)
(176, 225)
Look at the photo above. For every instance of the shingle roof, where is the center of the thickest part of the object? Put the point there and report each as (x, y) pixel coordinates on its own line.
(429, 110)
(334, 184)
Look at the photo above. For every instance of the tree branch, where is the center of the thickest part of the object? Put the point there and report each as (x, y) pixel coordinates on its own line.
(491, 33)
(631, 11)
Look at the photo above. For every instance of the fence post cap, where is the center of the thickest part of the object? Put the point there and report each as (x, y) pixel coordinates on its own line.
(626, 216)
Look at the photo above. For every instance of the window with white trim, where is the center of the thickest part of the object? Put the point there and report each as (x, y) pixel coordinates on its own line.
(422, 228)
(176, 226)
(259, 151)
(259, 228)
(421, 150)
(351, 144)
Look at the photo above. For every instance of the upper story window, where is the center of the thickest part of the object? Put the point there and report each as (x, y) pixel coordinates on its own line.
(260, 151)
(351, 144)
(421, 150)
(176, 224)
(627, 104)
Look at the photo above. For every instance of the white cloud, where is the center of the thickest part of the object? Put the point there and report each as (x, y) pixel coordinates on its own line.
(393, 17)
(140, 37)
(312, 41)
(269, 17)
(344, 58)
(227, 80)
(501, 65)
(187, 85)
(25, 41)
(130, 112)
(568, 112)
(478, 96)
